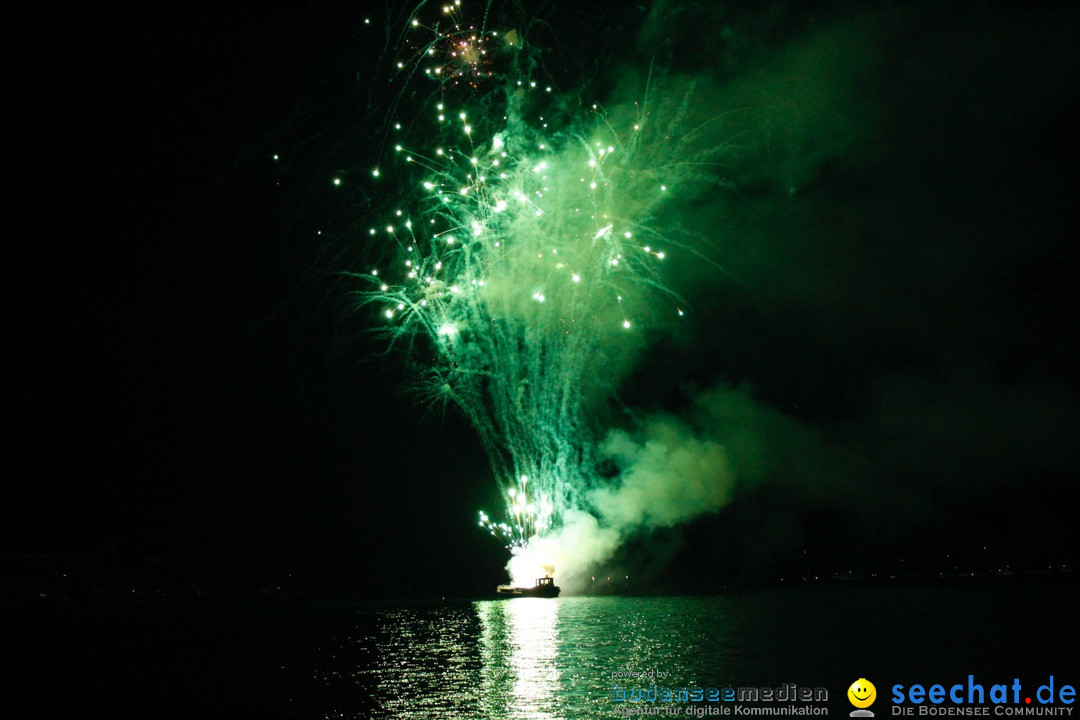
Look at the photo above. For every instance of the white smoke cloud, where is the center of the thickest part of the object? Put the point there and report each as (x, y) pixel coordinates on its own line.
(671, 471)
(669, 476)
(572, 551)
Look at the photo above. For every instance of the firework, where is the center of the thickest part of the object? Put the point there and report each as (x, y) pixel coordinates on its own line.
(531, 516)
(524, 260)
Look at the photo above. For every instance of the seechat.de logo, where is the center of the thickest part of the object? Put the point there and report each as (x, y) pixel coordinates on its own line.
(977, 698)
(862, 694)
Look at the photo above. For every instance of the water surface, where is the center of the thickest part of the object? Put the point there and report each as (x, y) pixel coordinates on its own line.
(564, 658)
(521, 658)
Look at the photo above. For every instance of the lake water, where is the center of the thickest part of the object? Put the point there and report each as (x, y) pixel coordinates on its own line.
(534, 658)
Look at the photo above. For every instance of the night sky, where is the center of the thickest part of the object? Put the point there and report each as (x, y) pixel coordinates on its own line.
(890, 351)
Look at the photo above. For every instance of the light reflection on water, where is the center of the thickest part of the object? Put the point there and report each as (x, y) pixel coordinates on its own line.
(534, 658)
(518, 659)
(519, 650)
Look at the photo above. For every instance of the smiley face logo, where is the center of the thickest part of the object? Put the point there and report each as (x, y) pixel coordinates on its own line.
(862, 693)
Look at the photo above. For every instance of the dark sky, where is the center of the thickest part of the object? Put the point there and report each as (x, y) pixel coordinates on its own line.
(187, 381)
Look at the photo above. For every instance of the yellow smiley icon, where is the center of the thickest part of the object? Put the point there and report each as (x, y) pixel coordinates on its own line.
(862, 693)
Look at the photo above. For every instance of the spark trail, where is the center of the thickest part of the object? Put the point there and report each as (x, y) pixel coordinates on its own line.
(522, 265)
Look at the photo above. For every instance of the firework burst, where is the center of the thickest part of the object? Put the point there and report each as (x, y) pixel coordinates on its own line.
(524, 259)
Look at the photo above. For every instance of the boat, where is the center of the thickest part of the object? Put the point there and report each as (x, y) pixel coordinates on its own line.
(545, 588)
